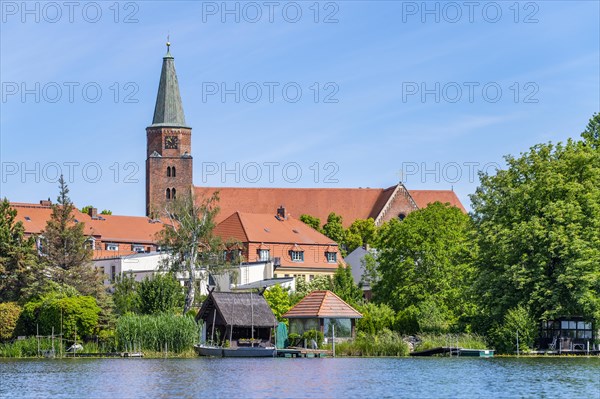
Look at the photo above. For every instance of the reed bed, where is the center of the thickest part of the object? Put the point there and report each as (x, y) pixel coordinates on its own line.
(382, 343)
(156, 333)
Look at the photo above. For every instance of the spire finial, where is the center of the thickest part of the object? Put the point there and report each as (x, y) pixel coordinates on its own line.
(168, 43)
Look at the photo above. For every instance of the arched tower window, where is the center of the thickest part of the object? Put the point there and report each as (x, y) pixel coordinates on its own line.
(168, 193)
(168, 171)
(173, 171)
(173, 192)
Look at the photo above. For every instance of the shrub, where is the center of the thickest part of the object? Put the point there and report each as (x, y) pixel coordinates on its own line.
(9, 314)
(504, 337)
(161, 293)
(375, 318)
(69, 315)
(313, 334)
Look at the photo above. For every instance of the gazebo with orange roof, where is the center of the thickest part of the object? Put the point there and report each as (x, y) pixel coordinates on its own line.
(320, 310)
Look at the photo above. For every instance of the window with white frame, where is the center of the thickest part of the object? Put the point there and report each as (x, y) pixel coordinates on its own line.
(138, 248)
(331, 257)
(264, 254)
(112, 247)
(297, 256)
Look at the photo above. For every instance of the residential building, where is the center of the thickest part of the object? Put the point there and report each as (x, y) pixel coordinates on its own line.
(295, 249)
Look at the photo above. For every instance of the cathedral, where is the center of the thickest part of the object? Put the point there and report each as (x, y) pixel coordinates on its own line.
(169, 172)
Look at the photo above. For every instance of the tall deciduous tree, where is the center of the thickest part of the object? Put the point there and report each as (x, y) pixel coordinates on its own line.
(160, 294)
(312, 221)
(426, 266)
(539, 231)
(194, 251)
(344, 285)
(18, 260)
(362, 232)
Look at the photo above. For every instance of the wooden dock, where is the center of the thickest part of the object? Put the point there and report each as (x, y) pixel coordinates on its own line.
(303, 352)
(440, 350)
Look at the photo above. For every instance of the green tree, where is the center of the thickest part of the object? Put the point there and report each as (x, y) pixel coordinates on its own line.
(303, 287)
(65, 252)
(591, 134)
(18, 259)
(87, 208)
(362, 232)
(189, 240)
(9, 315)
(67, 314)
(426, 267)
(160, 294)
(125, 295)
(312, 221)
(538, 225)
(376, 318)
(516, 321)
(279, 301)
(345, 287)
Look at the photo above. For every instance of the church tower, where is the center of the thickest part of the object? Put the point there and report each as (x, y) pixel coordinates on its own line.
(169, 144)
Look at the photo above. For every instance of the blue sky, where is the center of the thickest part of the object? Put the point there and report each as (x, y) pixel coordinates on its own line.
(423, 92)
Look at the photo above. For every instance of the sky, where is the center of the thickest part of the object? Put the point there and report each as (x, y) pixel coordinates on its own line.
(289, 94)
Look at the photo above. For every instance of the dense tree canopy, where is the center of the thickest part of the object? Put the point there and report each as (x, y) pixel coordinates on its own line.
(426, 266)
(18, 257)
(538, 225)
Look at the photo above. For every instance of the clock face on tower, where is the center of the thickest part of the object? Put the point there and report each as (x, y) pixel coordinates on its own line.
(171, 142)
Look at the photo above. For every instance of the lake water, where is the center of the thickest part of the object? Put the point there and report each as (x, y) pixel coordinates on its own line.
(291, 378)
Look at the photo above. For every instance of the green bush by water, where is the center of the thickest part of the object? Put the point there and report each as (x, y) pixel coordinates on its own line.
(26, 347)
(383, 343)
(466, 341)
(155, 332)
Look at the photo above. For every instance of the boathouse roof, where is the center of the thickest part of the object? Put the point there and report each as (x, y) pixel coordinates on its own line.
(322, 304)
(237, 309)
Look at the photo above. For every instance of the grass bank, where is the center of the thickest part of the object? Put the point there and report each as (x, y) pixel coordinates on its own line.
(466, 341)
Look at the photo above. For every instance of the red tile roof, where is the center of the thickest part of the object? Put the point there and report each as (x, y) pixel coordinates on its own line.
(267, 228)
(351, 203)
(322, 304)
(107, 228)
(425, 197)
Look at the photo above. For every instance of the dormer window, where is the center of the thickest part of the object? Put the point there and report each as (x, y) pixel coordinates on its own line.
(331, 257)
(112, 247)
(297, 256)
(91, 243)
(264, 254)
(137, 248)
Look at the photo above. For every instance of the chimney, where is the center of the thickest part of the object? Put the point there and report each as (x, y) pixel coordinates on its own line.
(93, 212)
(46, 202)
(281, 212)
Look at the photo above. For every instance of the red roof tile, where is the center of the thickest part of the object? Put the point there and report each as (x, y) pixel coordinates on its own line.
(322, 304)
(425, 197)
(130, 229)
(351, 203)
(267, 228)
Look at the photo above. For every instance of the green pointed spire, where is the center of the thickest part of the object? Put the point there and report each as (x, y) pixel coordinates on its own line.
(169, 109)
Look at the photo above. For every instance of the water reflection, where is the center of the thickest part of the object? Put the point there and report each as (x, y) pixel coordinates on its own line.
(283, 378)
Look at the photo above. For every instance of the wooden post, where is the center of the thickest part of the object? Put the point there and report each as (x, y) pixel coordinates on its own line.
(37, 334)
(333, 339)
